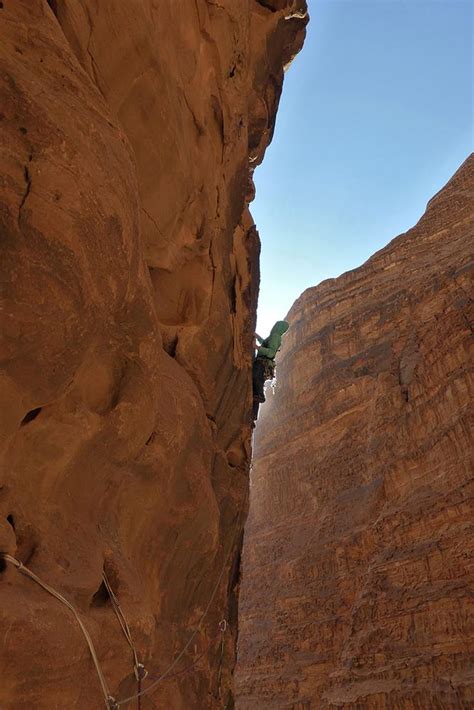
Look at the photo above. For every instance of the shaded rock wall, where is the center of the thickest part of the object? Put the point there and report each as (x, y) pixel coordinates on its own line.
(357, 582)
(129, 133)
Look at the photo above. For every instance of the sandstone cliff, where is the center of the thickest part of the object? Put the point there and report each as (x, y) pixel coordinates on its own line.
(358, 574)
(129, 133)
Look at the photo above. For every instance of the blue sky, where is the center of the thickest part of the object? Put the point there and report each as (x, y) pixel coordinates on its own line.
(376, 115)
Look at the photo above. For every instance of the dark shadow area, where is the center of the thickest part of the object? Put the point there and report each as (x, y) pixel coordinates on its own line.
(30, 416)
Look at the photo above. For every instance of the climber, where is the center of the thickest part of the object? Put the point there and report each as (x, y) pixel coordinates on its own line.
(264, 363)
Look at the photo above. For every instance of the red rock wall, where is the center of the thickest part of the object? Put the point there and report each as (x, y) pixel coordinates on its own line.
(129, 132)
(358, 576)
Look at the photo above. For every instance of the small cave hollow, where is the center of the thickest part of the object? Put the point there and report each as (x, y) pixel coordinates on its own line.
(101, 597)
(171, 346)
(31, 415)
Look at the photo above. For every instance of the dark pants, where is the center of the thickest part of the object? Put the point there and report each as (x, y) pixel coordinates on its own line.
(262, 370)
(258, 379)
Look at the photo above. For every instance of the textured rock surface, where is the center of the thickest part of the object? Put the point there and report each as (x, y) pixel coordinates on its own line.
(129, 132)
(358, 559)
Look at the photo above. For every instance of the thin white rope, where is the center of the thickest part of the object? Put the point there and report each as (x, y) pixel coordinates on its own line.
(140, 672)
(152, 687)
(110, 702)
(28, 573)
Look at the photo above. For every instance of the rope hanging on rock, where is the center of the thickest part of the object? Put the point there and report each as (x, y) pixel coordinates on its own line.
(28, 573)
(166, 673)
(139, 669)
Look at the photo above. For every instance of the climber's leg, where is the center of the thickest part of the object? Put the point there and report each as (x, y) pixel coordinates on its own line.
(258, 379)
(255, 407)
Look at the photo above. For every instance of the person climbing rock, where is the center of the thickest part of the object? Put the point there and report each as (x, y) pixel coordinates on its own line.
(264, 363)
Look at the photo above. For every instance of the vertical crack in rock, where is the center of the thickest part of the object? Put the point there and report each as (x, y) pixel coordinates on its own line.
(93, 63)
(27, 178)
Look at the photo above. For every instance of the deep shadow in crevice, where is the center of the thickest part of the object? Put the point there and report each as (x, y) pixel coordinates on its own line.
(54, 6)
(11, 521)
(101, 597)
(150, 439)
(234, 583)
(32, 414)
(171, 347)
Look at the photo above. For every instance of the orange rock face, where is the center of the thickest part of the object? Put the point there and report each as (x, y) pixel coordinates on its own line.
(357, 582)
(129, 132)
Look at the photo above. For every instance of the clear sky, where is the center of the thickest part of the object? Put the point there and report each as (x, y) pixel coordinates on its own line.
(376, 115)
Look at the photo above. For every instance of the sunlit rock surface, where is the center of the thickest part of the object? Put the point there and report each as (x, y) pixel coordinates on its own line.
(358, 557)
(129, 132)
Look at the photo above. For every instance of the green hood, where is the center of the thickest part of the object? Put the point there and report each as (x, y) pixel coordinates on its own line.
(280, 327)
(271, 345)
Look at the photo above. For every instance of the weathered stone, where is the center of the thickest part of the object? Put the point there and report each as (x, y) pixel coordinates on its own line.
(358, 559)
(130, 276)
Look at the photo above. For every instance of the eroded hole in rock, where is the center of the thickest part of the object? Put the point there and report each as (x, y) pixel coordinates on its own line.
(267, 5)
(171, 346)
(101, 597)
(182, 296)
(11, 520)
(150, 439)
(32, 414)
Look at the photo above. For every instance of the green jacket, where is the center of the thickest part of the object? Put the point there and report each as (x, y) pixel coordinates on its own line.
(270, 346)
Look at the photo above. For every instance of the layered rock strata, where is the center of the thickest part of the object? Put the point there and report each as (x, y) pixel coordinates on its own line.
(129, 132)
(358, 574)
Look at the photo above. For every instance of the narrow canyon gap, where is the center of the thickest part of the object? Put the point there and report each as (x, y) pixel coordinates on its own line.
(357, 565)
(129, 134)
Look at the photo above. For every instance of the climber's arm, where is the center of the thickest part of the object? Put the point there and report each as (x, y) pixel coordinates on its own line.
(266, 352)
(272, 345)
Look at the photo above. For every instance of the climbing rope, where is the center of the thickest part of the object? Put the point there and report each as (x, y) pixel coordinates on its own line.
(139, 669)
(220, 632)
(166, 673)
(28, 573)
(223, 627)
